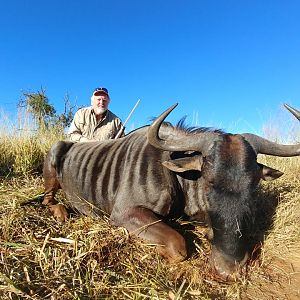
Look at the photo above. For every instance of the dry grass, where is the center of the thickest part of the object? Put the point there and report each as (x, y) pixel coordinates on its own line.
(23, 149)
(89, 259)
(278, 277)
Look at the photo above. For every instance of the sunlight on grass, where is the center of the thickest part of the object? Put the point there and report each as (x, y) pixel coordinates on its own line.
(87, 258)
(23, 147)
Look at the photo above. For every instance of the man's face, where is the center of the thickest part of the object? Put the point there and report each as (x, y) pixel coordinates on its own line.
(100, 103)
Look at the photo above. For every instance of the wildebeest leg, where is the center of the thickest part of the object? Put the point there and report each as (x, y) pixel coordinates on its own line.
(51, 187)
(145, 224)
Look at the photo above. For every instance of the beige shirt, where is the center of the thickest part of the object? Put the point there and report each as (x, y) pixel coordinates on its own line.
(84, 127)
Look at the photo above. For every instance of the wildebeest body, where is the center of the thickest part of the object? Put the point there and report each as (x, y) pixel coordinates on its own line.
(120, 175)
(208, 175)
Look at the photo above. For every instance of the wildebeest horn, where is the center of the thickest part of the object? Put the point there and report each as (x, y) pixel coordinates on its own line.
(294, 111)
(189, 142)
(263, 146)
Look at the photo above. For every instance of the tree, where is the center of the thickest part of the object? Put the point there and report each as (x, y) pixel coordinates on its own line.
(67, 116)
(44, 113)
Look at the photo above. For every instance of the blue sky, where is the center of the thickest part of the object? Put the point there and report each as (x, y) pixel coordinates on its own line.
(229, 64)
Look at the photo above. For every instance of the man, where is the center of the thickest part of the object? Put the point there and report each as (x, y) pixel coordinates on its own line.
(95, 123)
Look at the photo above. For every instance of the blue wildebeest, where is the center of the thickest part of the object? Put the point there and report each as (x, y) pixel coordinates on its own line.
(161, 171)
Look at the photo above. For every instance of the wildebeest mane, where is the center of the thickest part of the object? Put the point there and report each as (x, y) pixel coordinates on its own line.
(184, 128)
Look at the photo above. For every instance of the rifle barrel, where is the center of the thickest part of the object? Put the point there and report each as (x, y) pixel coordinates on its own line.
(123, 125)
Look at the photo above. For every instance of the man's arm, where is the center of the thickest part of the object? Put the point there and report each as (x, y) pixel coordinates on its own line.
(120, 132)
(74, 132)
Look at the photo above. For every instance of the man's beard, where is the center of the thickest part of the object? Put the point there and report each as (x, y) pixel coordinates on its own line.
(100, 110)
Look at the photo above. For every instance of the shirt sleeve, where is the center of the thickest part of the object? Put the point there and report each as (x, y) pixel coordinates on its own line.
(119, 126)
(74, 132)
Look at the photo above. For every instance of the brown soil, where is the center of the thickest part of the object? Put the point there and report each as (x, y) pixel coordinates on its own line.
(281, 280)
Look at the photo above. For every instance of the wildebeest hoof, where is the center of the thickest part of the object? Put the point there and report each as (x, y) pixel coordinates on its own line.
(59, 212)
(171, 256)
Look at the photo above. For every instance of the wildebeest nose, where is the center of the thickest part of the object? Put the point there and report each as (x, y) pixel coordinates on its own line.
(226, 267)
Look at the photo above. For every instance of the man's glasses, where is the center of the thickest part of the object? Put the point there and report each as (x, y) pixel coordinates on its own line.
(101, 89)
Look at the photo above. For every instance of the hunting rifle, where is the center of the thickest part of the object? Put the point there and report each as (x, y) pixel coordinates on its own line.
(123, 125)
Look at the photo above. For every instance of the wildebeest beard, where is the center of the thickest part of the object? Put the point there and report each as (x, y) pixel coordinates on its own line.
(232, 221)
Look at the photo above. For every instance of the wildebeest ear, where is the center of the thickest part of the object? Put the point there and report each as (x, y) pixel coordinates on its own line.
(184, 164)
(268, 173)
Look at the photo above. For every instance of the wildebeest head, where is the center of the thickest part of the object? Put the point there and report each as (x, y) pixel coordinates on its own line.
(229, 177)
